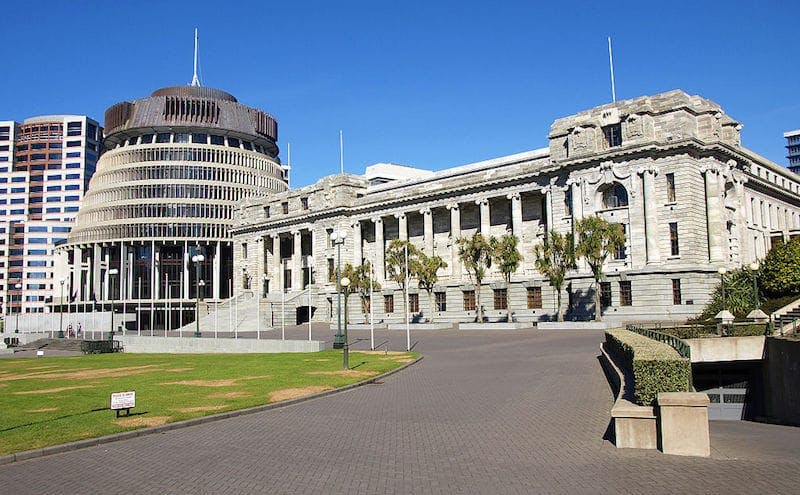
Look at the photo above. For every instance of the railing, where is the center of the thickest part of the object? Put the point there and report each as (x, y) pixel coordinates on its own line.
(679, 345)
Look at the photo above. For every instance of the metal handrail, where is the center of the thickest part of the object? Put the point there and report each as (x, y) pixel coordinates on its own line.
(679, 345)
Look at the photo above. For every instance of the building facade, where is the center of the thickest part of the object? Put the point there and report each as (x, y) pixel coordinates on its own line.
(175, 166)
(670, 168)
(793, 149)
(45, 166)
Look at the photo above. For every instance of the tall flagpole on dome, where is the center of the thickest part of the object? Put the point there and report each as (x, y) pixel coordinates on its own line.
(611, 64)
(195, 80)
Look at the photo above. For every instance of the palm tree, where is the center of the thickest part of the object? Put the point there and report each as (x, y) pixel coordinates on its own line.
(352, 274)
(597, 239)
(508, 258)
(396, 263)
(360, 278)
(425, 269)
(554, 258)
(476, 254)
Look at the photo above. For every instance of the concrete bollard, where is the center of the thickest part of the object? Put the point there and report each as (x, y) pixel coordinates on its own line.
(683, 423)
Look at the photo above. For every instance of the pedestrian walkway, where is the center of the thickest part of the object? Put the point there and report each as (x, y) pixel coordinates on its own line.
(483, 412)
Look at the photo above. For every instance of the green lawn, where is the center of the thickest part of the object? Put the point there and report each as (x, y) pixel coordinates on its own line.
(49, 401)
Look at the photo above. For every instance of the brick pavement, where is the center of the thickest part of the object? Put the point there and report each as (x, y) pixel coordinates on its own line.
(510, 412)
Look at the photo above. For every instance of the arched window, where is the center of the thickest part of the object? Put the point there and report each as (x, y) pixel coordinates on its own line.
(614, 196)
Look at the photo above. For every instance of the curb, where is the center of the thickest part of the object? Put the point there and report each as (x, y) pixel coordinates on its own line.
(116, 437)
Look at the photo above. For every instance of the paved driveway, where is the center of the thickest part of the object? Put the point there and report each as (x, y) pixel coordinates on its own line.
(508, 412)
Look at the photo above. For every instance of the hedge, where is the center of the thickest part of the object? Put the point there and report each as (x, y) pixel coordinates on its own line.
(656, 367)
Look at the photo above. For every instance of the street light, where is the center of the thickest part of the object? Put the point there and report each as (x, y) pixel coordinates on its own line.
(338, 237)
(61, 313)
(310, 262)
(112, 274)
(754, 268)
(18, 286)
(345, 282)
(197, 259)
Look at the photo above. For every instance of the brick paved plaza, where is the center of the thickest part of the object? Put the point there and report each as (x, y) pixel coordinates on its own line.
(504, 412)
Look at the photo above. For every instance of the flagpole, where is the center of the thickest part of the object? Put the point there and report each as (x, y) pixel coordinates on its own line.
(611, 64)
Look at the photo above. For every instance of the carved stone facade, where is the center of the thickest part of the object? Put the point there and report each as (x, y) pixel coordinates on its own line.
(670, 168)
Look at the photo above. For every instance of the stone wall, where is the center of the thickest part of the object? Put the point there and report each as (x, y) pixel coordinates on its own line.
(782, 380)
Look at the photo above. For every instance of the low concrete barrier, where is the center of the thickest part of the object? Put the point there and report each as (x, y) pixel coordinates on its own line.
(421, 326)
(720, 349)
(495, 326)
(190, 345)
(683, 423)
(578, 325)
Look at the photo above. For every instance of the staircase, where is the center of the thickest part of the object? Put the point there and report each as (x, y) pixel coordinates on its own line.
(787, 319)
(73, 345)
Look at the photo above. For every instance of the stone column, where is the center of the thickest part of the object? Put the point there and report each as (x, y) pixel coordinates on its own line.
(216, 268)
(577, 200)
(402, 226)
(297, 261)
(516, 214)
(714, 214)
(455, 233)
(548, 206)
(427, 222)
(380, 247)
(277, 273)
(485, 220)
(357, 243)
(650, 214)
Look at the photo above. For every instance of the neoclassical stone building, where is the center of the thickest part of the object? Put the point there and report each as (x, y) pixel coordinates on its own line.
(670, 168)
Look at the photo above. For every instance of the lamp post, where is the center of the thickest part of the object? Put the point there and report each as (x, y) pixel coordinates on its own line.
(112, 273)
(408, 326)
(197, 259)
(18, 286)
(371, 314)
(345, 282)
(754, 269)
(310, 262)
(722, 271)
(61, 313)
(338, 237)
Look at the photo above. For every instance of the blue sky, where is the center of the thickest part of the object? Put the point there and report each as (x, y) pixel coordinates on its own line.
(432, 84)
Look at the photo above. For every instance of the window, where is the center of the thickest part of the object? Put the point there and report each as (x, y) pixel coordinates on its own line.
(620, 253)
(304, 203)
(568, 201)
(73, 154)
(72, 176)
(73, 165)
(613, 135)
(285, 207)
(244, 250)
(331, 270)
(500, 298)
(199, 138)
(673, 239)
(218, 140)
(72, 187)
(625, 296)
(266, 211)
(534, 298)
(233, 142)
(74, 128)
(615, 196)
(469, 300)
(441, 301)
(605, 294)
(676, 291)
(181, 137)
(670, 188)
(413, 303)
(147, 138)
(72, 144)
(388, 303)
(18, 179)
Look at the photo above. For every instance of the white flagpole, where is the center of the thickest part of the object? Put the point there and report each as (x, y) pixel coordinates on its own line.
(611, 64)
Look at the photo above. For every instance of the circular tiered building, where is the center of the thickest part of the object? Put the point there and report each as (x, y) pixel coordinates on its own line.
(175, 166)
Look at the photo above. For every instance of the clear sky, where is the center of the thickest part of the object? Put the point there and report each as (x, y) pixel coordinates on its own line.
(432, 84)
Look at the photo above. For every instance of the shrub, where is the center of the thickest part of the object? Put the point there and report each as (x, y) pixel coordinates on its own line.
(656, 367)
(739, 296)
(772, 305)
(780, 270)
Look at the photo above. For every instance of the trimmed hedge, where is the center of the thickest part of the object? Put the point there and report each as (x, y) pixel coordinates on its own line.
(656, 367)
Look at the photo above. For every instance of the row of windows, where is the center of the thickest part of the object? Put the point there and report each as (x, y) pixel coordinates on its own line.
(53, 145)
(500, 299)
(771, 216)
(190, 172)
(174, 210)
(191, 230)
(194, 154)
(158, 191)
(194, 138)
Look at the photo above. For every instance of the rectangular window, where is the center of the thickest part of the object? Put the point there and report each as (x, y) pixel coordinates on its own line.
(676, 291)
(613, 135)
(605, 294)
(534, 298)
(285, 207)
(73, 154)
(568, 201)
(162, 137)
(500, 298)
(72, 144)
(73, 176)
(388, 303)
(304, 203)
(441, 301)
(625, 295)
(73, 165)
(331, 270)
(266, 212)
(620, 254)
(53, 188)
(244, 250)
(469, 300)
(71, 198)
(670, 188)
(72, 187)
(53, 210)
(673, 239)
(217, 140)
(413, 303)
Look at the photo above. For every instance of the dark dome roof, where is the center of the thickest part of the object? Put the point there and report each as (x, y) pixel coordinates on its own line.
(196, 91)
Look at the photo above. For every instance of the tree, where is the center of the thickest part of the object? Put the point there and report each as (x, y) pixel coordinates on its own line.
(396, 263)
(554, 258)
(351, 273)
(507, 257)
(780, 270)
(360, 277)
(597, 239)
(476, 254)
(425, 269)
(738, 295)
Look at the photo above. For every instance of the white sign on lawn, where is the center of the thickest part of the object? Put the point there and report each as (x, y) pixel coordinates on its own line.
(123, 400)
